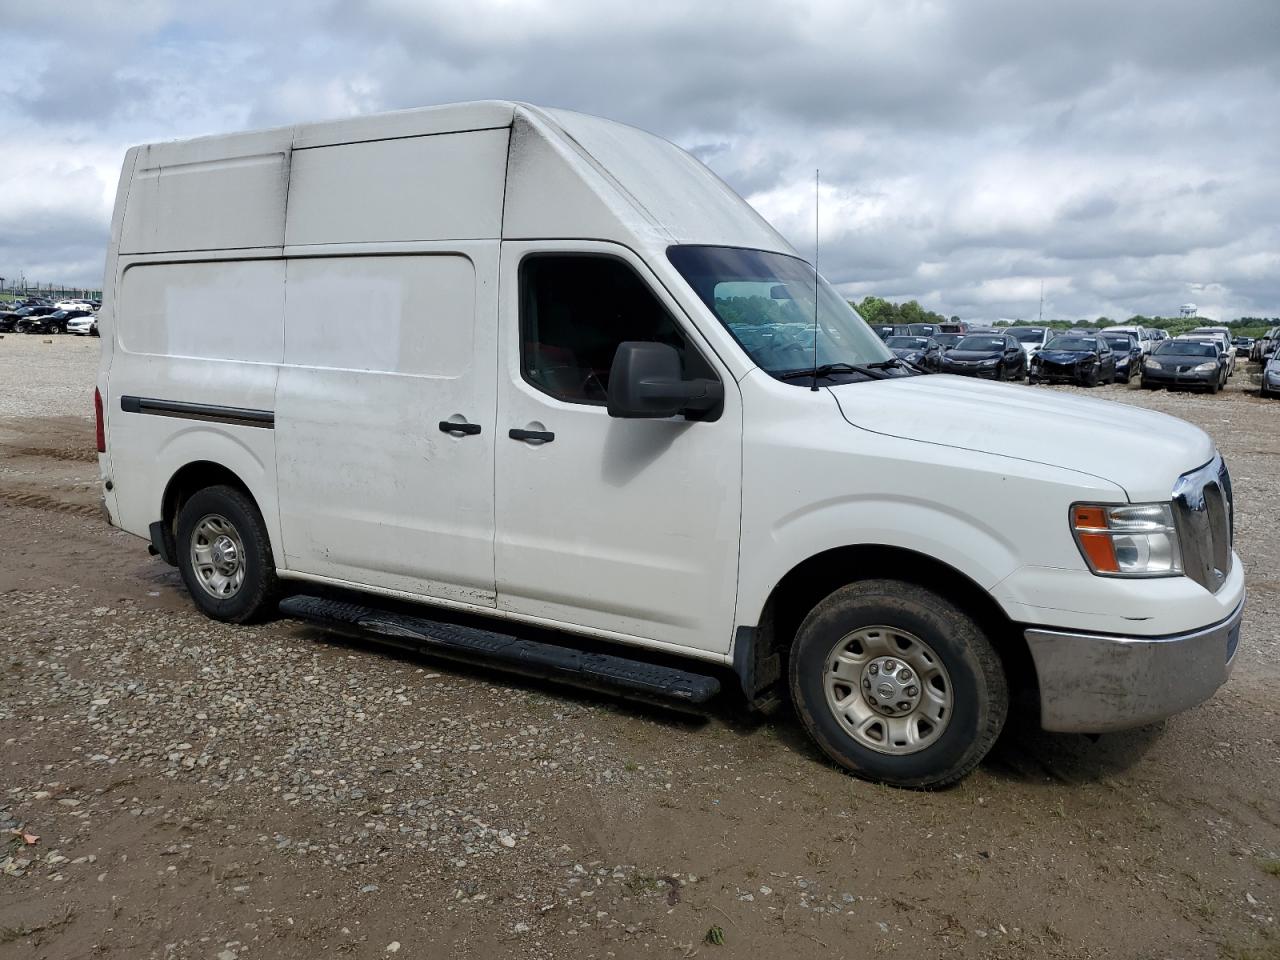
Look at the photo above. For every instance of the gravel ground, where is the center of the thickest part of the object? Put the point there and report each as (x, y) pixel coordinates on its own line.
(199, 790)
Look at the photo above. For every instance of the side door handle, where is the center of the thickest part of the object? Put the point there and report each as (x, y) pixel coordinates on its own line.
(462, 429)
(545, 436)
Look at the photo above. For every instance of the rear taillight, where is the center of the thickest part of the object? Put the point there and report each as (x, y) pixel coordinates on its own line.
(99, 428)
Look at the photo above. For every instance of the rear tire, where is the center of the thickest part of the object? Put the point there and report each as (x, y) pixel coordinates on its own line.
(224, 555)
(948, 684)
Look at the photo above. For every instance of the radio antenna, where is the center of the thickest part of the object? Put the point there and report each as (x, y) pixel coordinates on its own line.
(816, 194)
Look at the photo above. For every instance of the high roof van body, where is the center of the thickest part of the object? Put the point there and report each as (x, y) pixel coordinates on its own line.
(549, 370)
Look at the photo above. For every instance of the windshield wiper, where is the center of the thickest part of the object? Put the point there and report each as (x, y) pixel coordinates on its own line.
(891, 362)
(826, 369)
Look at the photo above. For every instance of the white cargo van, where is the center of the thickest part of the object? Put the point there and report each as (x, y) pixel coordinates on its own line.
(581, 392)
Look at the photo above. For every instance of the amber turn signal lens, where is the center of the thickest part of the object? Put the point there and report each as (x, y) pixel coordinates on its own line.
(1089, 518)
(1101, 550)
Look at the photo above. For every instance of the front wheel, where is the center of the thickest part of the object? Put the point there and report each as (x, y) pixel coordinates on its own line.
(225, 556)
(897, 684)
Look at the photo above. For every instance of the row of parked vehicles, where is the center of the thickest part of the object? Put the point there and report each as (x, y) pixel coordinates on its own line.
(1203, 359)
(41, 315)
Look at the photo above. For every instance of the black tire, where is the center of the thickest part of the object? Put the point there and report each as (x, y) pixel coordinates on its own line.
(999, 372)
(256, 594)
(979, 690)
(1090, 379)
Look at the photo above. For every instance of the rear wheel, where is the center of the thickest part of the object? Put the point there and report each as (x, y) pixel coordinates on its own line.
(897, 684)
(224, 555)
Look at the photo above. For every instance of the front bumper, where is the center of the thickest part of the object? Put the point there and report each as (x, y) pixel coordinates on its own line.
(968, 370)
(1165, 378)
(1091, 683)
(1053, 373)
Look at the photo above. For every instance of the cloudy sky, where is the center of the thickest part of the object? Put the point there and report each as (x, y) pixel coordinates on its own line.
(1125, 154)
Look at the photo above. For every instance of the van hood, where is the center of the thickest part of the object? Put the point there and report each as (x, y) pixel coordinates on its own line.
(1139, 450)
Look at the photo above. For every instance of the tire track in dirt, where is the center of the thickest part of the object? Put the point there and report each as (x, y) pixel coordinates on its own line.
(74, 454)
(43, 501)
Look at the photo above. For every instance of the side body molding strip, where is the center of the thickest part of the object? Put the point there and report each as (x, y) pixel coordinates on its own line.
(239, 416)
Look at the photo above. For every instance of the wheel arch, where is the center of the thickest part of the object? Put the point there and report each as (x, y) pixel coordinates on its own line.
(186, 481)
(760, 652)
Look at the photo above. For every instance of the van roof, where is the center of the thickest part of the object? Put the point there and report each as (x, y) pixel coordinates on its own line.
(561, 174)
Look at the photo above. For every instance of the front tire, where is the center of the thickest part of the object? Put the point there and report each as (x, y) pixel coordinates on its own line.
(898, 685)
(224, 555)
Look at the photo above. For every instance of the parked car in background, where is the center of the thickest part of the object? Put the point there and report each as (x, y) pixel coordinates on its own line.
(83, 326)
(1271, 376)
(1243, 345)
(886, 330)
(1084, 359)
(994, 355)
(954, 326)
(1138, 332)
(948, 340)
(10, 320)
(1032, 339)
(55, 322)
(1223, 336)
(1128, 355)
(1185, 364)
(1265, 345)
(1226, 355)
(922, 352)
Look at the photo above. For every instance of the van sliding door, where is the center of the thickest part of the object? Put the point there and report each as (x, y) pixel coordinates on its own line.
(385, 421)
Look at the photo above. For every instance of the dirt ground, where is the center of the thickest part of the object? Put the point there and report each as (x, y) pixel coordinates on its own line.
(205, 791)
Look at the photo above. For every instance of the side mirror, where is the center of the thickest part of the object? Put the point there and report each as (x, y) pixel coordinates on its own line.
(645, 382)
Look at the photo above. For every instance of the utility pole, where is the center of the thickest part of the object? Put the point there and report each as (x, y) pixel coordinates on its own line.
(1041, 320)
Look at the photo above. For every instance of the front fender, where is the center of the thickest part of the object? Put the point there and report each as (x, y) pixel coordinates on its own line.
(813, 483)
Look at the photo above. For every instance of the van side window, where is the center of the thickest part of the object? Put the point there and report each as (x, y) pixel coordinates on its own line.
(574, 311)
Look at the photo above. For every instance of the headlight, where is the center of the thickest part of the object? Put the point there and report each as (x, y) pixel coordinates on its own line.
(1152, 364)
(988, 363)
(1137, 540)
(1206, 367)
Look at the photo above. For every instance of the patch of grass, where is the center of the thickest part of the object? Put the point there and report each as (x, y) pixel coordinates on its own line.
(1270, 865)
(715, 936)
(640, 883)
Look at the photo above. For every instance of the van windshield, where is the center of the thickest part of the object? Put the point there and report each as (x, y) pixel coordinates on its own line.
(766, 300)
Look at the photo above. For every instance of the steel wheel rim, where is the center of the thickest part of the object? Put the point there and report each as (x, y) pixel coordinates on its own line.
(897, 714)
(217, 556)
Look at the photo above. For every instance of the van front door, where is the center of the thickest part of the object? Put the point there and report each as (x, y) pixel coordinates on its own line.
(628, 528)
(384, 421)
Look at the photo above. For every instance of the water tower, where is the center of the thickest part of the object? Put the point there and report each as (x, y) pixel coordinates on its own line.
(1188, 310)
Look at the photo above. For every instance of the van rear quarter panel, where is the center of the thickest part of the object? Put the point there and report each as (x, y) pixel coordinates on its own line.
(208, 333)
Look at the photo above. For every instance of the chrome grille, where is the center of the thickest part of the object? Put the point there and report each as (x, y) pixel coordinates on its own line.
(1204, 514)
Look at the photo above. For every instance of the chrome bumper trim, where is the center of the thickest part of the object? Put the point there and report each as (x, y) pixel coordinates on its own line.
(1094, 683)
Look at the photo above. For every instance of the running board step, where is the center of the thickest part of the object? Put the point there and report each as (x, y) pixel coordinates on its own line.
(634, 679)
